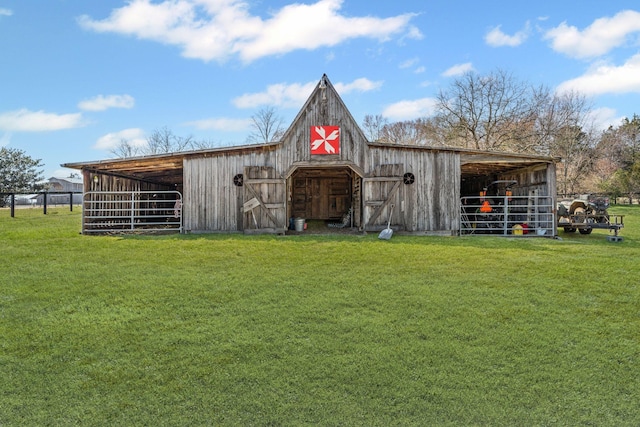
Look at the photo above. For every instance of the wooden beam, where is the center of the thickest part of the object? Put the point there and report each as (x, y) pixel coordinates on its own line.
(269, 214)
(262, 181)
(120, 175)
(378, 211)
(382, 179)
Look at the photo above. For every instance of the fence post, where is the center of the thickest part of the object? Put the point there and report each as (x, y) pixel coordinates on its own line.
(13, 205)
(133, 212)
(70, 202)
(44, 198)
(505, 225)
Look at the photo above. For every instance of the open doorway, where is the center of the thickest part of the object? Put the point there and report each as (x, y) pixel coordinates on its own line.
(506, 199)
(323, 194)
(329, 195)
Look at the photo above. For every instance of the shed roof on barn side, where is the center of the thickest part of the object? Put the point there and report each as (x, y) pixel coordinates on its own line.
(163, 168)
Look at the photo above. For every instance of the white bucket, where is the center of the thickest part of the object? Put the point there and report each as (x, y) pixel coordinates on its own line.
(299, 224)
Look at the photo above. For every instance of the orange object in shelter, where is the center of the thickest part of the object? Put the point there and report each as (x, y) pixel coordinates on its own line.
(486, 207)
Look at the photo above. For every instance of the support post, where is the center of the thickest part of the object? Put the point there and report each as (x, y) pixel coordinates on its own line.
(70, 202)
(133, 210)
(44, 202)
(13, 205)
(505, 212)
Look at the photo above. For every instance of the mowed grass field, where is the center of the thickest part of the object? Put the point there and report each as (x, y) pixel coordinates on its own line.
(316, 330)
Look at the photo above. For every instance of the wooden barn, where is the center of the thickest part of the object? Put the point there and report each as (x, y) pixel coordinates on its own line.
(322, 169)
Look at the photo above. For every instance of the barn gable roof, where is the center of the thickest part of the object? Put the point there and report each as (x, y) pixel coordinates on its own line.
(323, 90)
(167, 168)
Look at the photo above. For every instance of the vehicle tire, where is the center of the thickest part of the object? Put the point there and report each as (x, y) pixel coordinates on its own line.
(580, 215)
(569, 230)
(586, 230)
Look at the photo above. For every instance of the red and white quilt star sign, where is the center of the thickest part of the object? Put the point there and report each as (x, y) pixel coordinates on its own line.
(325, 139)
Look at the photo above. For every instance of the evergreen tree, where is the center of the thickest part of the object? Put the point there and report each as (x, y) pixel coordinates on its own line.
(19, 173)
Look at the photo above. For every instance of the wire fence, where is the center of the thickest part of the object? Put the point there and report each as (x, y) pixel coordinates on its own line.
(43, 199)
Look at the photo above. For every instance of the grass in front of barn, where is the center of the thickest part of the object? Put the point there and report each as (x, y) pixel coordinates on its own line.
(327, 330)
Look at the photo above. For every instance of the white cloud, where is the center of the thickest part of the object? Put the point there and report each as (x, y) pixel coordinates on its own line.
(5, 12)
(597, 39)
(605, 78)
(413, 62)
(302, 26)
(279, 94)
(101, 102)
(134, 136)
(358, 85)
(497, 38)
(215, 30)
(409, 63)
(222, 123)
(24, 120)
(604, 117)
(458, 70)
(408, 110)
(295, 94)
(413, 33)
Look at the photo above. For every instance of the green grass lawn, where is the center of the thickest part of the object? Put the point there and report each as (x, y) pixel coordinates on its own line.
(316, 330)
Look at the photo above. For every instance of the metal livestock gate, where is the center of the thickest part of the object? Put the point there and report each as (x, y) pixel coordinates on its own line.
(130, 211)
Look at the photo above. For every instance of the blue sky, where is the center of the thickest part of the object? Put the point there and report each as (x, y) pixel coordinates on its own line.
(78, 76)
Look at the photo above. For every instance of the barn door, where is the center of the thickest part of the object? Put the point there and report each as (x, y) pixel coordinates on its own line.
(264, 201)
(379, 192)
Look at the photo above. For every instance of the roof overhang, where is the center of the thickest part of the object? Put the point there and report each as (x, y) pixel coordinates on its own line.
(167, 169)
(481, 163)
(494, 163)
(163, 169)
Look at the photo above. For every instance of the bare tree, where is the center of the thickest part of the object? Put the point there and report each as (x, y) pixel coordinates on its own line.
(618, 164)
(373, 125)
(161, 141)
(485, 112)
(555, 113)
(267, 126)
(576, 148)
(203, 144)
(165, 141)
(125, 149)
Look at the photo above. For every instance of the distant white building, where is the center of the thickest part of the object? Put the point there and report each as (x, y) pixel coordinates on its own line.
(24, 199)
(58, 186)
(65, 184)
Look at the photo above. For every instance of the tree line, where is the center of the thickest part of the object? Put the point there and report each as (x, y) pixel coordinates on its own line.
(266, 126)
(497, 112)
(492, 112)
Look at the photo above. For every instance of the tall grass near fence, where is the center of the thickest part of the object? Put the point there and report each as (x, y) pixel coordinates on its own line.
(316, 330)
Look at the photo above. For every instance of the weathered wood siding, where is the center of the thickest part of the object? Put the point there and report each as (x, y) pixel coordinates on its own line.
(323, 110)
(265, 197)
(212, 202)
(431, 203)
(540, 178)
(104, 182)
(371, 176)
